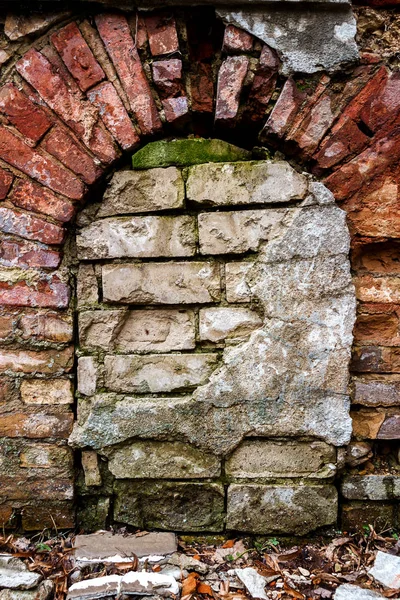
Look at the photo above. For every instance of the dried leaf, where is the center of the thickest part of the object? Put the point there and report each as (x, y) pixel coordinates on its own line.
(204, 588)
(228, 544)
(292, 592)
(189, 585)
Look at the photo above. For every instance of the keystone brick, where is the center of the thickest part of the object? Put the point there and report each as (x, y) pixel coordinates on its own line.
(18, 154)
(6, 180)
(28, 118)
(77, 56)
(69, 153)
(114, 115)
(76, 113)
(161, 30)
(115, 32)
(30, 227)
(27, 254)
(237, 40)
(158, 373)
(37, 425)
(162, 283)
(33, 197)
(50, 327)
(230, 83)
(176, 109)
(28, 361)
(46, 391)
(167, 75)
(47, 293)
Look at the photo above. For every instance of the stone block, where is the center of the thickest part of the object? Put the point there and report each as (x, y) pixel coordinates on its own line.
(98, 328)
(377, 392)
(36, 425)
(241, 183)
(237, 232)
(90, 465)
(162, 283)
(47, 391)
(144, 191)
(29, 361)
(46, 326)
(170, 506)
(87, 375)
(270, 509)
(160, 373)
(92, 514)
(256, 458)
(371, 487)
(60, 514)
(137, 237)
(56, 460)
(237, 288)
(86, 286)
(221, 323)
(161, 460)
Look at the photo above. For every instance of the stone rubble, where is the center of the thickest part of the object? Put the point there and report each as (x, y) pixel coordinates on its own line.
(386, 570)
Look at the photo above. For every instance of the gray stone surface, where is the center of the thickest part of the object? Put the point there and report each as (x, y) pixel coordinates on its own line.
(386, 570)
(16, 579)
(143, 191)
(371, 487)
(353, 592)
(237, 232)
(258, 458)
(253, 582)
(158, 373)
(137, 237)
(44, 591)
(307, 40)
(86, 286)
(221, 323)
(105, 546)
(138, 330)
(241, 183)
(87, 375)
(161, 460)
(267, 509)
(162, 283)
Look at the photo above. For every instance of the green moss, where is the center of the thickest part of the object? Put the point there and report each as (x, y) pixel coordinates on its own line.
(183, 153)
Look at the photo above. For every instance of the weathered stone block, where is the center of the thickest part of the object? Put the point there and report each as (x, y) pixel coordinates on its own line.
(218, 324)
(237, 232)
(92, 513)
(160, 373)
(90, 465)
(47, 391)
(86, 286)
(60, 514)
(56, 460)
(170, 506)
(377, 392)
(237, 287)
(137, 237)
(371, 487)
(267, 509)
(161, 460)
(162, 283)
(87, 375)
(259, 182)
(282, 459)
(144, 191)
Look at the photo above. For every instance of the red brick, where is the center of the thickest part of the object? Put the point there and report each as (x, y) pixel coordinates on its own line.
(378, 257)
(18, 154)
(48, 292)
(263, 85)
(69, 153)
(163, 37)
(202, 88)
(6, 180)
(237, 40)
(167, 75)
(6, 513)
(7, 323)
(27, 254)
(30, 227)
(390, 428)
(114, 115)
(28, 118)
(77, 56)
(377, 329)
(18, 488)
(176, 109)
(36, 425)
(34, 197)
(345, 140)
(115, 32)
(370, 288)
(29, 361)
(285, 110)
(50, 327)
(141, 37)
(230, 83)
(377, 392)
(78, 114)
(374, 359)
(47, 515)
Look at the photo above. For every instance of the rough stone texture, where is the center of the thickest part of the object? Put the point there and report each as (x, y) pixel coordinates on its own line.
(90, 465)
(137, 237)
(131, 192)
(386, 570)
(18, 580)
(237, 288)
(254, 459)
(161, 460)
(371, 487)
(329, 43)
(218, 324)
(162, 373)
(46, 391)
(353, 592)
(280, 509)
(170, 505)
(138, 331)
(162, 283)
(87, 375)
(260, 182)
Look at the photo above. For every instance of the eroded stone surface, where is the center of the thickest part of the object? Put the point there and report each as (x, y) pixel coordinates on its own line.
(218, 324)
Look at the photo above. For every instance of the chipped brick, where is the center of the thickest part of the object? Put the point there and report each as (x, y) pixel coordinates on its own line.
(163, 37)
(46, 326)
(230, 83)
(176, 109)
(6, 180)
(48, 292)
(28, 118)
(285, 110)
(36, 425)
(167, 75)
(43, 361)
(30, 227)
(27, 254)
(77, 56)
(34, 197)
(237, 40)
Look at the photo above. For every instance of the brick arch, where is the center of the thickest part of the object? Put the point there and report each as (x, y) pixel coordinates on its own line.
(102, 85)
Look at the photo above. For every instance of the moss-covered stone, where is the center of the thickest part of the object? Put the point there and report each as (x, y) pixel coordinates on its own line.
(92, 514)
(183, 153)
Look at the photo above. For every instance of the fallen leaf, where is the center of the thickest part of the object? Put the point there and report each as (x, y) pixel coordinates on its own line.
(204, 588)
(228, 544)
(292, 592)
(189, 585)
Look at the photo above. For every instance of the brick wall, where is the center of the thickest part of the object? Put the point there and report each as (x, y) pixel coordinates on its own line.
(80, 90)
